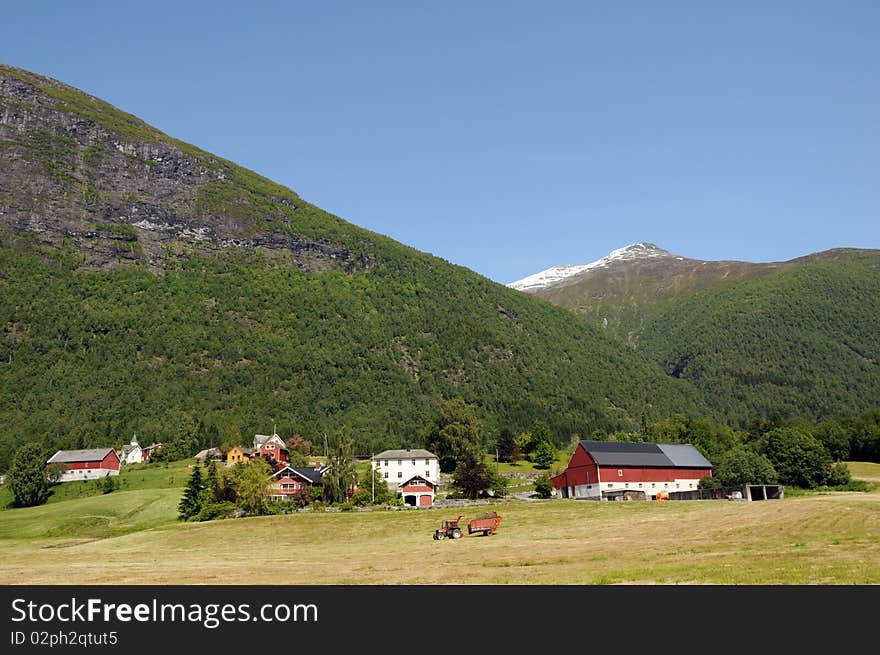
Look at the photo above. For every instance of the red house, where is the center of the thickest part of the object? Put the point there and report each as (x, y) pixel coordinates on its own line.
(606, 470)
(271, 447)
(290, 480)
(418, 491)
(88, 464)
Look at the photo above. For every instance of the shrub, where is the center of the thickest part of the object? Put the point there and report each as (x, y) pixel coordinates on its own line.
(213, 511)
(543, 487)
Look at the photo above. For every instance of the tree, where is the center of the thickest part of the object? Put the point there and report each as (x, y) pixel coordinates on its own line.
(373, 488)
(835, 437)
(340, 479)
(455, 434)
(108, 484)
(498, 485)
(744, 466)
(299, 444)
(183, 442)
(798, 457)
(545, 455)
(506, 445)
(543, 487)
(524, 444)
(253, 486)
(190, 504)
(211, 484)
(54, 472)
(541, 434)
(27, 476)
(473, 477)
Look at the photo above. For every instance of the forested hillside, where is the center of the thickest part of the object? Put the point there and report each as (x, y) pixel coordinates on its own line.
(147, 286)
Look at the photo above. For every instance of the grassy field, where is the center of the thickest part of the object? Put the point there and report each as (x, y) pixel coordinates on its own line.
(132, 477)
(816, 539)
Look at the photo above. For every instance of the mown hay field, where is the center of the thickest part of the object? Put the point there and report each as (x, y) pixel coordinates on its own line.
(131, 537)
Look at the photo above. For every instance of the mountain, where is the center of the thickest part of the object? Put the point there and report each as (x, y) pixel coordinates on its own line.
(798, 337)
(148, 286)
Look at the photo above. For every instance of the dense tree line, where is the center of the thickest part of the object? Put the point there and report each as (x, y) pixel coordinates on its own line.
(235, 342)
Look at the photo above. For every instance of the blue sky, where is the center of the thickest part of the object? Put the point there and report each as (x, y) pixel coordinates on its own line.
(511, 136)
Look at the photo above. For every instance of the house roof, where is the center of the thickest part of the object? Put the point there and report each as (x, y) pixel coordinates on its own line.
(260, 439)
(152, 446)
(630, 453)
(87, 455)
(416, 477)
(308, 473)
(409, 453)
(246, 451)
(127, 448)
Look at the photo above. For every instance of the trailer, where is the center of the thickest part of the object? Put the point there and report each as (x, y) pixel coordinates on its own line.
(485, 523)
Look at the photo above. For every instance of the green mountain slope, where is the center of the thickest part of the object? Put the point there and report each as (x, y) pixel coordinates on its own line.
(797, 338)
(148, 286)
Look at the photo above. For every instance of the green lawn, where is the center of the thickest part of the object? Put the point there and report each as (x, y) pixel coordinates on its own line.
(132, 477)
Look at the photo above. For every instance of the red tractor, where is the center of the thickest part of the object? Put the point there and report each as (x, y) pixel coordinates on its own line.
(449, 529)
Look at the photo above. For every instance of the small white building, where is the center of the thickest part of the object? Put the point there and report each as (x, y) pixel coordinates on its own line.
(132, 453)
(398, 467)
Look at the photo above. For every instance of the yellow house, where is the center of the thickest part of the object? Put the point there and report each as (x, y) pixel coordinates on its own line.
(239, 454)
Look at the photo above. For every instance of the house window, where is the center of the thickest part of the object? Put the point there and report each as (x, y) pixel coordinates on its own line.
(386, 475)
(386, 462)
(427, 474)
(400, 474)
(400, 462)
(676, 485)
(619, 473)
(610, 484)
(427, 462)
(640, 485)
(414, 462)
(653, 484)
(665, 484)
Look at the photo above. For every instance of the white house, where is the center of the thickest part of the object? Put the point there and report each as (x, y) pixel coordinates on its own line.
(398, 467)
(132, 453)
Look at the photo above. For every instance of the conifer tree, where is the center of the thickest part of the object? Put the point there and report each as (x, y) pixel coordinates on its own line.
(191, 503)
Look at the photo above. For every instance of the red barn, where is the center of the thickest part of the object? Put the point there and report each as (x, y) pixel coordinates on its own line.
(87, 464)
(602, 469)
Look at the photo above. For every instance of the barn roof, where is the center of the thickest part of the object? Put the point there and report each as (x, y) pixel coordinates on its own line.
(684, 455)
(87, 455)
(633, 453)
(409, 453)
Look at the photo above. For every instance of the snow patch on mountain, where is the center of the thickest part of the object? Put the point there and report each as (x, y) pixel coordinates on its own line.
(557, 274)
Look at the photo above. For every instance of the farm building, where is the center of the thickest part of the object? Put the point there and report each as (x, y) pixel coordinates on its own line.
(87, 464)
(418, 491)
(601, 470)
(398, 467)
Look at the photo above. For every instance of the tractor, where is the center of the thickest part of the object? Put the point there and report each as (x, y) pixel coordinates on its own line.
(449, 529)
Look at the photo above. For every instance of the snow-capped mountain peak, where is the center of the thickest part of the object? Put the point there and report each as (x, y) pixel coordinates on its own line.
(557, 274)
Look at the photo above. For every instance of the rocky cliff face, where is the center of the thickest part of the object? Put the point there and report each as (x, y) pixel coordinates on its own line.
(79, 174)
